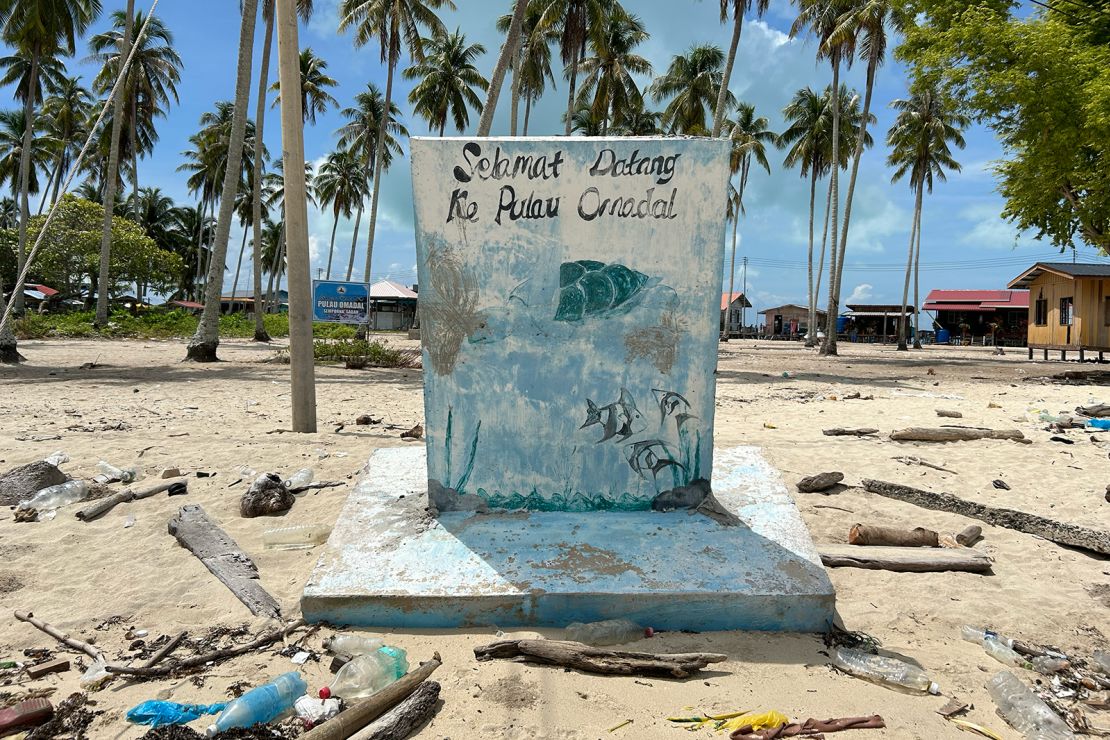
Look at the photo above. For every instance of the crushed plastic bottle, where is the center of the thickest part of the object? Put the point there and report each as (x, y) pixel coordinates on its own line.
(1024, 710)
(299, 537)
(884, 670)
(54, 496)
(95, 677)
(57, 458)
(123, 475)
(607, 632)
(156, 713)
(262, 704)
(313, 711)
(367, 674)
(1005, 654)
(1049, 665)
(300, 479)
(346, 643)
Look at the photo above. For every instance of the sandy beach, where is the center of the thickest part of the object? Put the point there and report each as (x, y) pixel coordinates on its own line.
(140, 406)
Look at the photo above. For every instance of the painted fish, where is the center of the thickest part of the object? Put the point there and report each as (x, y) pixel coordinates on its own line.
(672, 404)
(620, 419)
(651, 455)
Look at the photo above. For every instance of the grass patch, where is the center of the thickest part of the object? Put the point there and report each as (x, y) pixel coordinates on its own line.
(176, 324)
(359, 353)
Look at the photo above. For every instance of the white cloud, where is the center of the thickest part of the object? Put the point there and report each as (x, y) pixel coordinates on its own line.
(861, 293)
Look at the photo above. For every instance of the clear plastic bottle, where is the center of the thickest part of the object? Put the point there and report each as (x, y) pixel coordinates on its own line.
(607, 632)
(262, 704)
(1024, 710)
(300, 479)
(367, 674)
(57, 458)
(298, 537)
(347, 643)
(123, 475)
(977, 635)
(884, 670)
(1101, 660)
(1005, 654)
(54, 496)
(1049, 665)
(95, 677)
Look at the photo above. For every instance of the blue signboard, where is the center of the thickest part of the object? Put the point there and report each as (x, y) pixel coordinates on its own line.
(339, 302)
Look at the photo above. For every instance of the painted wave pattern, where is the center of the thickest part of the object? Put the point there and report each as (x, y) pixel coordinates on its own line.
(575, 502)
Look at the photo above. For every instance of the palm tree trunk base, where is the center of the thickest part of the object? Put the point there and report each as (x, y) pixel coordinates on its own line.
(917, 345)
(903, 347)
(202, 352)
(9, 354)
(261, 336)
(828, 352)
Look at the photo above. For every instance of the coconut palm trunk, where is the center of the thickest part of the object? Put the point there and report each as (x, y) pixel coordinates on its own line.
(829, 346)
(134, 161)
(202, 208)
(732, 276)
(202, 347)
(508, 51)
(358, 223)
(25, 182)
(916, 295)
(260, 334)
(514, 110)
(824, 245)
(571, 89)
(238, 267)
(379, 155)
(9, 348)
(527, 113)
(909, 270)
(331, 247)
(722, 94)
(811, 338)
(111, 177)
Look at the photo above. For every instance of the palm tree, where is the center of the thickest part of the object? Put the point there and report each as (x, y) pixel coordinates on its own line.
(40, 30)
(571, 20)
(315, 98)
(585, 121)
(505, 59)
(738, 8)
(360, 134)
(151, 84)
(11, 153)
(749, 137)
(609, 71)
(692, 82)
(920, 142)
(9, 213)
(202, 347)
(392, 23)
(638, 121)
(67, 112)
(275, 188)
(531, 65)
(448, 78)
(340, 184)
(823, 18)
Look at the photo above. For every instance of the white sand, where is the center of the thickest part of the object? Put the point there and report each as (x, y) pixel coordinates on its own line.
(78, 575)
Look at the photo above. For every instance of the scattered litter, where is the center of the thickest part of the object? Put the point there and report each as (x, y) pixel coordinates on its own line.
(616, 727)
(123, 475)
(883, 670)
(417, 432)
(299, 479)
(1024, 710)
(29, 713)
(301, 657)
(58, 665)
(262, 704)
(811, 728)
(170, 473)
(160, 713)
(299, 537)
(1000, 484)
(367, 419)
(732, 721)
(129, 521)
(313, 711)
(268, 495)
(952, 708)
(134, 634)
(963, 724)
(204, 474)
(57, 458)
(1064, 440)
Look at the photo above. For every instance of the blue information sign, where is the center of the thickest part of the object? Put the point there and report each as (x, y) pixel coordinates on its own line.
(339, 302)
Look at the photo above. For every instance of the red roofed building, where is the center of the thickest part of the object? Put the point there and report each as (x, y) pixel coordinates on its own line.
(732, 313)
(967, 315)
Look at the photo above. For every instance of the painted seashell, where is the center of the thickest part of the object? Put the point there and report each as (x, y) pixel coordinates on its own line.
(588, 288)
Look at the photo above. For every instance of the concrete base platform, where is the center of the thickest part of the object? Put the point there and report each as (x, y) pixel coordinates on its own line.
(389, 564)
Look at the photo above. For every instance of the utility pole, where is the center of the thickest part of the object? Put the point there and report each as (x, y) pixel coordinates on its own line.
(744, 303)
(301, 359)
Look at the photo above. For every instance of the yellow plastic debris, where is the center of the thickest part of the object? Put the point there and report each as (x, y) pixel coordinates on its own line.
(963, 724)
(733, 720)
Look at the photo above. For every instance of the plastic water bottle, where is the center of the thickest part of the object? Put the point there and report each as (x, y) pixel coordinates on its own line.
(346, 643)
(123, 475)
(607, 632)
(54, 496)
(883, 670)
(1005, 654)
(367, 674)
(1024, 710)
(57, 458)
(1049, 665)
(978, 635)
(299, 537)
(262, 704)
(300, 479)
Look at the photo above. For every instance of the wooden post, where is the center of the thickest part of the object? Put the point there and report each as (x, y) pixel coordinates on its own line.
(1046, 354)
(296, 223)
(1064, 354)
(1081, 354)
(1030, 353)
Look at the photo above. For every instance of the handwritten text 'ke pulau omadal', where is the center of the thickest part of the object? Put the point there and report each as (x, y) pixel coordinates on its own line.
(525, 199)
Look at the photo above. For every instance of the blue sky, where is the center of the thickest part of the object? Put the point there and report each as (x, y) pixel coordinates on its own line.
(965, 243)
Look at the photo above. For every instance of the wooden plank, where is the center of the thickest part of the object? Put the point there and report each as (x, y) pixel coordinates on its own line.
(904, 559)
(54, 666)
(223, 557)
(1062, 533)
(955, 434)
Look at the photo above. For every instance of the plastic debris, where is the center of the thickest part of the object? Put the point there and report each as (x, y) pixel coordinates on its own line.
(313, 711)
(262, 704)
(156, 713)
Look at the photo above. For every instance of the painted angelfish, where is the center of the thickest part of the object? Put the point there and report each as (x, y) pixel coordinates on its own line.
(620, 419)
(651, 455)
(672, 404)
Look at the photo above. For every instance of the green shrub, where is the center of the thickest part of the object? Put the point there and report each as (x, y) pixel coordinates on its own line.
(359, 353)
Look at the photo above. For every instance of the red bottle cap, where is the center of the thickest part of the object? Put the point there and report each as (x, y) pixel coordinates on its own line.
(325, 693)
(649, 632)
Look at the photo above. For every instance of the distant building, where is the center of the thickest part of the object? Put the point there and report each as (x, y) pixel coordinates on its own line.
(1069, 307)
(989, 316)
(732, 313)
(392, 306)
(789, 321)
(874, 322)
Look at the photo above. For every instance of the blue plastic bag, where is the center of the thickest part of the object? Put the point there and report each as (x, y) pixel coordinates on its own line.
(158, 713)
(1098, 424)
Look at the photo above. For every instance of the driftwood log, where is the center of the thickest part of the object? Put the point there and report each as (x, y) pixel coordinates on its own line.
(1098, 411)
(362, 713)
(969, 535)
(955, 434)
(597, 660)
(911, 460)
(103, 506)
(947, 414)
(165, 650)
(57, 634)
(1062, 533)
(219, 553)
(865, 534)
(839, 432)
(819, 482)
(904, 559)
(151, 671)
(405, 718)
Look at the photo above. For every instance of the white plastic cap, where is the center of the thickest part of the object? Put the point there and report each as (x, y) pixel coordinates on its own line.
(212, 731)
(934, 688)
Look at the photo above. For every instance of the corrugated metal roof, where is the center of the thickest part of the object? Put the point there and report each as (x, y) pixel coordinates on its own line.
(1069, 269)
(934, 306)
(869, 309)
(725, 300)
(975, 300)
(387, 289)
(47, 291)
(188, 304)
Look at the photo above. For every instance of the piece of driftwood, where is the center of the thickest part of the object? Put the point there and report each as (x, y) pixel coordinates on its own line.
(955, 434)
(969, 535)
(405, 718)
(1098, 411)
(597, 660)
(57, 634)
(363, 712)
(223, 557)
(314, 486)
(1077, 377)
(103, 506)
(948, 414)
(870, 534)
(840, 432)
(150, 671)
(1062, 533)
(819, 482)
(911, 460)
(165, 650)
(903, 559)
